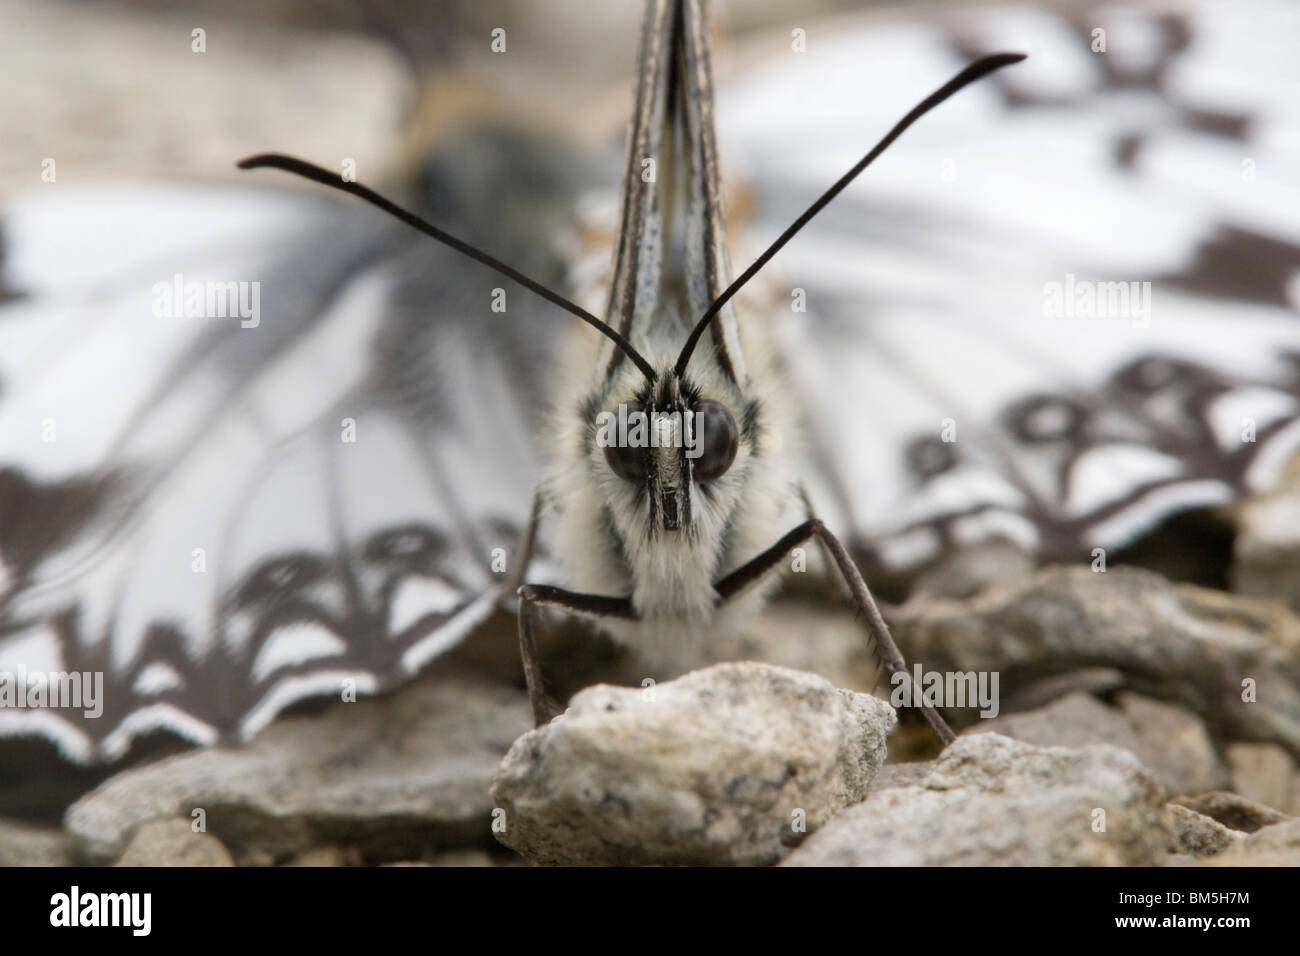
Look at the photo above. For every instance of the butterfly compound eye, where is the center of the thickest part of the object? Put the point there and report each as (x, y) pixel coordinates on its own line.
(715, 431)
(625, 451)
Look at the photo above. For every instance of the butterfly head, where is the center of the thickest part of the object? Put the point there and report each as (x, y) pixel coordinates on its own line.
(666, 442)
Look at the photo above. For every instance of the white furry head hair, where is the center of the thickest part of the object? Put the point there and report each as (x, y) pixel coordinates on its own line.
(655, 523)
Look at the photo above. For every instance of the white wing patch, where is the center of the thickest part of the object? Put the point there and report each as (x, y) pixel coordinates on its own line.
(1057, 310)
(223, 519)
(157, 678)
(294, 645)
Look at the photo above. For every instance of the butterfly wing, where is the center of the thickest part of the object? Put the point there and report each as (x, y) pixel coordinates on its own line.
(227, 515)
(1059, 309)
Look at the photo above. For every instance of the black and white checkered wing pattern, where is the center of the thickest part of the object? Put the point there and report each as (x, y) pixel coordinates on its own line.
(224, 515)
(1061, 308)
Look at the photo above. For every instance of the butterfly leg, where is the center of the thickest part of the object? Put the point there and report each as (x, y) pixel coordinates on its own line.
(836, 591)
(887, 652)
(532, 597)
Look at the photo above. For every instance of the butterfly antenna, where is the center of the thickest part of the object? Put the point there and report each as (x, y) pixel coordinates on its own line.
(332, 179)
(977, 70)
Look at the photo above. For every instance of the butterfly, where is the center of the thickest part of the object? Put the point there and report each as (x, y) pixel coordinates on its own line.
(338, 484)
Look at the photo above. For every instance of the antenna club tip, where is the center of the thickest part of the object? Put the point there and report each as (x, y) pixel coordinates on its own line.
(260, 160)
(996, 61)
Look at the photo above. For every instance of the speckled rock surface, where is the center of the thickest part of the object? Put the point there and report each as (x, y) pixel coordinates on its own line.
(396, 776)
(1047, 803)
(729, 764)
(174, 843)
(1232, 660)
(1172, 742)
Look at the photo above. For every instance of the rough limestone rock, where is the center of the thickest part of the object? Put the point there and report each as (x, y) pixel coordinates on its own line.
(1171, 742)
(1175, 744)
(1233, 810)
(1197, 835)
(991, 800)
(31, 844)
(1076, 720)
(1202, 649)
(1266, 550)
(1262, 773)
(1277, 845)
(1097, 681)
(730, 764)
(174, 843)
(326, 856)
(396, 776)
(901, 775)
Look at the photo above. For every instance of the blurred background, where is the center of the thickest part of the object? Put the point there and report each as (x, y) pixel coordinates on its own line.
(116, 89)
